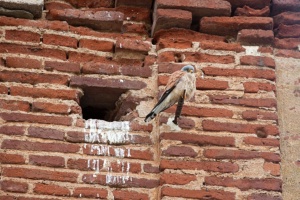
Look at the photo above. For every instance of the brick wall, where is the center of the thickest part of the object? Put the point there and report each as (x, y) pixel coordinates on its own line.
(116, 56)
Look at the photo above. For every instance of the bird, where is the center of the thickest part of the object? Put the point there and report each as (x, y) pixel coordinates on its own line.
(181, 86)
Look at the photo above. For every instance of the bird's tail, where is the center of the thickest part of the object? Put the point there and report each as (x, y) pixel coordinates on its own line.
(154, 112)
(150, 116)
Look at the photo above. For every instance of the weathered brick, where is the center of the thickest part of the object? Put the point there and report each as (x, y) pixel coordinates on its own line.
(6, 158)
(248, 11)
(91, 3)
(86, 57)
(3, 89)
(288, 31)
(125, 194)
(99, 20)
(82, 164)
(199, 9)
(25, 36)
(287, 18)
(145, 3)
(230, 26)
(197, 194)
(56, 108)
(50, 189)
(13, 186)
(45, 133)
(14, 105)
(224, 167)
(169, 18)
(219, 45)
(12, 130)
(173, 43)
(17, 62)
(258, 61)
(132, 45)
(36, 92)
(183, 122)
(34, 118)
(32, 50)
(279, 6)
(39, 146)
(210, 125)
(200, 140)
(287, 53)
(47, 161)
(38, 174)
(149, 168)
(59, 40)
(272, 168)
(136, 29)
(56, 5)
(249, 73)
(176, 179)
(263, 196)
(287, 43)
(269, 184)
(261, 115)
(255, 37)
(89, 192)
(257, 4)
(240, 154)
(138, 14)
(179, 151)
(97, 45)
(62, 66)
(254, 87)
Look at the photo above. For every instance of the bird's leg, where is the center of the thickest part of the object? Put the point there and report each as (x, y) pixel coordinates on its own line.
(179, 107)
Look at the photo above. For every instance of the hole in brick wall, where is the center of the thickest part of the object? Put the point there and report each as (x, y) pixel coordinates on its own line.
(104, 103)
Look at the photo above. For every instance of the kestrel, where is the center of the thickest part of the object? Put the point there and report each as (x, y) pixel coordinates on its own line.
(181, 86)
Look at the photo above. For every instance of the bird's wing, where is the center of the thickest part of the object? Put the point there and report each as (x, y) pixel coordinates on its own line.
(174, 79)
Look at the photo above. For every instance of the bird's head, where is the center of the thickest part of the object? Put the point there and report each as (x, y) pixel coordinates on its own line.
(188, 68)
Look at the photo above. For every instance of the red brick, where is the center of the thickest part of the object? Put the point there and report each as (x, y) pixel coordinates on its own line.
(287, 43)
(45, 133)
(86, 57)
(135, 126)
(269, 184)
(132, 45)
(240, 154)
(272, 168)
(44, 93)
(25, 36)
(33, 78)
(14, 105)
(210, 125)
(134, 167)
(176, 179)
(173, 43)
(91, 3)
(138, 14)
(179, 151)
(254, 87)
(50, 189)
(197, 194)
(248, 11)
(77, 81)
(198, 9)
(169, 18)
(261, 115)
(32, 50)
(12, 186)
(219, 99)
(33, 118)
(258, 61)
(38, 174)
(256, 4)
(132, 28)
(82, 164)
(255, 37)
(56, 5)
(287, 18)
(200, 140)
(219, 45)
(248, 73)
(11, 159)
(47, 161)
(12, 130)
(183, 122)
(287, 53)
(288, 31)
(211, 84)
(3, 89)
(230, 26)
(145, 3)
(97, 45)
(224, 167)
(99, 20)
(149, 168)
(17, 62)
(265, 49)
(263, 196)
(89, 192)
(279, 6)
(59, 40)
(50, 108)
(118, 182)
(125, 194)
(39, 146)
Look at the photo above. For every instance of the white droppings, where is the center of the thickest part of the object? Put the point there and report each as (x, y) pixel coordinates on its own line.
(173, 126)
(120, 45)
(252, 50)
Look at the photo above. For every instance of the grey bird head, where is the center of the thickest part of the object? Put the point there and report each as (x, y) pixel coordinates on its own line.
(188, 68)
